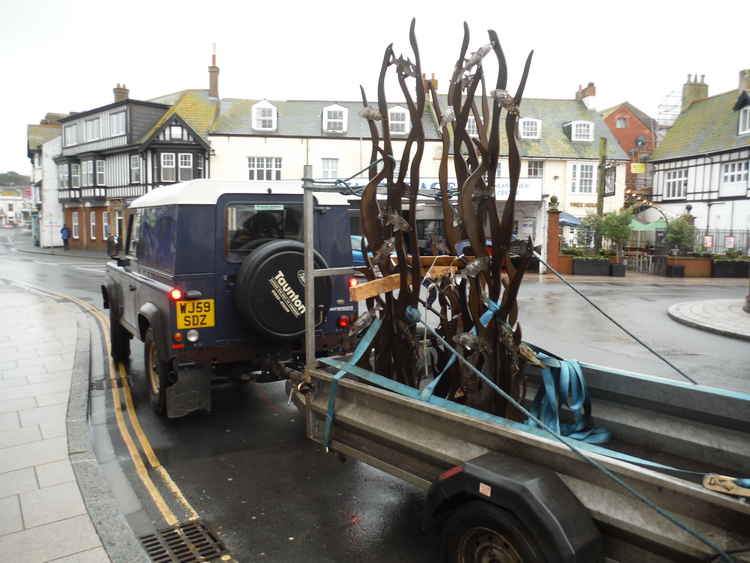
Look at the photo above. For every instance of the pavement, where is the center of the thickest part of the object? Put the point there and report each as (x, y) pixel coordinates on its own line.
(720, 316)
(43, 516)
(23, 243)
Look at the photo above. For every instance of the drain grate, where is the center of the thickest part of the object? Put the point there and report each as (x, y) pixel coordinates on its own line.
(191, 542)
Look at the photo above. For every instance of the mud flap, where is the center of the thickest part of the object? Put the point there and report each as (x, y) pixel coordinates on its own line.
(191, 392)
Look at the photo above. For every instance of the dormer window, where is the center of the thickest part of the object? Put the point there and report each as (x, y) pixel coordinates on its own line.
(397, 121)
(744, 121)
(264, 116)
(621, 123)
(335, 119)
(530, 128)
(175, 132)
(582, 131)
(471, 127)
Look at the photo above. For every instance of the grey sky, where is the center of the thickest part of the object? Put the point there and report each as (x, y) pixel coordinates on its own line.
(67, 56)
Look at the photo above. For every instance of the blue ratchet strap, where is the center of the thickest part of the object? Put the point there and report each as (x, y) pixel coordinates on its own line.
(361, 348)
(492, 309)
(568, 390)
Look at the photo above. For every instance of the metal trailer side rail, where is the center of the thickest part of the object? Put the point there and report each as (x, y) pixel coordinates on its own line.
(417, 441)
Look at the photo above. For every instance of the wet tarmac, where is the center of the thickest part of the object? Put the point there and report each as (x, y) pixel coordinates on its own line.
(272, 495)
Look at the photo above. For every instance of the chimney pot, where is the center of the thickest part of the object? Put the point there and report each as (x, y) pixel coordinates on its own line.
(121, 92)
(693, 90)
(745, 79)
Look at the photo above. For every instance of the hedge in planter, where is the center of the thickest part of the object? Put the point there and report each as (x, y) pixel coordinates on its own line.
(730, 268)
(591, 266)
(617, 270)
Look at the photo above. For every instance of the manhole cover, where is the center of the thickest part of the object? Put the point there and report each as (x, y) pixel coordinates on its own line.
(184, 543)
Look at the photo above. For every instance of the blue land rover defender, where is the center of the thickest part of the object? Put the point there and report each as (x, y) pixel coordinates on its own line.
(210, 277)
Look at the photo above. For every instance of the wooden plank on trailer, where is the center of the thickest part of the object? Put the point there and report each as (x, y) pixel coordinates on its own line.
(442, 260)
(390, 283)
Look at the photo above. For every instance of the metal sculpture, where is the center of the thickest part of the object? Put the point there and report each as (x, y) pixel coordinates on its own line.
(476, 294)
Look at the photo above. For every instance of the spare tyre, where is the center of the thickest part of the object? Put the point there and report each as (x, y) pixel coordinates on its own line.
(270, 290)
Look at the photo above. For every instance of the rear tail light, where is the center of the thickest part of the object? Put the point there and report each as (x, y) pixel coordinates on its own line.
(353, 282)
(343, 321)
(175, 294)
(451, 472)
(177, 337)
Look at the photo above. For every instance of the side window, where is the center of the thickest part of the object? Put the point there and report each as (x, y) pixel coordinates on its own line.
(158, 237)
(134, 232)
(249, 225)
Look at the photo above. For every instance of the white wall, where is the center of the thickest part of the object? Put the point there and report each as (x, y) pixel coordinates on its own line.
(725, 215)
(51, 215)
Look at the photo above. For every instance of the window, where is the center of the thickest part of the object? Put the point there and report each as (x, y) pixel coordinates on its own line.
(582, 131)
(535, 168)
(92, 225)
(264, 168)
(175, 132)
(471, 127)
(75, 175)
(744, 121)
(186, 167)
(335, 119)
(199, 166)
(100, 173)
(610, 180)
(71, 134)
(134, 232)
(88, 173)
(118, 223)
(74, 219)
(732, 172)
(247, 223)
(530, 128)
(330, 167)
(675, 186)
(264, 116)
(621, 122)
(168, 167)
(62, 176)
(117, 124)
(135, 169)
(92, 129)
(397, 121)
(582, 178)
(105, 225)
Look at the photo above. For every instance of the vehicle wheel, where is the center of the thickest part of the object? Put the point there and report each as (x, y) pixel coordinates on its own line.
(156, 374)
(119, 339)
(479, 532)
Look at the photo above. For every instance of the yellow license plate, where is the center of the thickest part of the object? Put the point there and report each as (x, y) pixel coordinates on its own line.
(195, 314)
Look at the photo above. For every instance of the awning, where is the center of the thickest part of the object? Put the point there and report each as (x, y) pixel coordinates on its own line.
(659, 225)
(568, 220)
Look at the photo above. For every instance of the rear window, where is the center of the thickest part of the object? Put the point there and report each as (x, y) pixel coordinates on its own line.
(249, 225)
(157, 244)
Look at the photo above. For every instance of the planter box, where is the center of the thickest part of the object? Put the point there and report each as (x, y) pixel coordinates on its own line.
(591, 267)
(617, 270)
(565, 264)
(730, 269)
(695, 267)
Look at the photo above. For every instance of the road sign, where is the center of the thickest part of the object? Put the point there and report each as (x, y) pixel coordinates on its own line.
(637, 167)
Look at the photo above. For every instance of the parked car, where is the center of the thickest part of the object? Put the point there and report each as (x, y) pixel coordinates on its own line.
(210, 278)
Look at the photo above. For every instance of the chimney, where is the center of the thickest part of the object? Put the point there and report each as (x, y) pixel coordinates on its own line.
(587, 95)
(694, 89)
(213, 76)
(745, 79)
(121, 92)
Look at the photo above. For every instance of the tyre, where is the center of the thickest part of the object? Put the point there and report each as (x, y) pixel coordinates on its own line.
(156, 374)
(478, 532)
(119, 339)
(270, 290)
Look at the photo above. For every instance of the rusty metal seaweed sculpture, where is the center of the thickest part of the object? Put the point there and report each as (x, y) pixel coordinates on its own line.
(477, 304)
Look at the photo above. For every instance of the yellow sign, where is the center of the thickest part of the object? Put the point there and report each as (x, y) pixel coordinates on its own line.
(195, 314)
(637, 167)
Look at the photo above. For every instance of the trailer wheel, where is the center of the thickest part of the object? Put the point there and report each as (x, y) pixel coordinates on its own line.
(478, 532)
(156, 374)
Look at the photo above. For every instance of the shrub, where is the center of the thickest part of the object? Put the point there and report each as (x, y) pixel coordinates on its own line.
(681, 233)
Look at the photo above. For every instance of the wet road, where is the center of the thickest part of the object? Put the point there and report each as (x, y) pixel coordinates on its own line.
(272, 495)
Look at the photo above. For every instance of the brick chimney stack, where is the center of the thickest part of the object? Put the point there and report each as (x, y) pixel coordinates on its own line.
(121, 92)
(694, 89)
(745, 79)
(213, 76)
(587, 95)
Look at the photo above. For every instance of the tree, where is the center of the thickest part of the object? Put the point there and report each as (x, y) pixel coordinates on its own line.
(14, 179)
(681, 233)
(615, 226)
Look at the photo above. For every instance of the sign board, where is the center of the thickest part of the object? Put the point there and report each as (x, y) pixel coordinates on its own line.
(729, 242)
(637, 167)
(708, 241)
(529, 189)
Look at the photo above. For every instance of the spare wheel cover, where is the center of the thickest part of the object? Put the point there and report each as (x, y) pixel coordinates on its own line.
(271, 290)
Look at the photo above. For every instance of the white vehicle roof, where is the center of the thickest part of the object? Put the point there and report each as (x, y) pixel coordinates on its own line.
(207, 192)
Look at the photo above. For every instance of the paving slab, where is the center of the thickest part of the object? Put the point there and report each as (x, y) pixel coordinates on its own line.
(16, 437)
(97, 555)
(17, 482)
(10, 515)
(51, 504)
(54, 473)
(51, 541)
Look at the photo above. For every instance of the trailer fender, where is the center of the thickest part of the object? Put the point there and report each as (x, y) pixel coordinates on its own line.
(560, 525)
